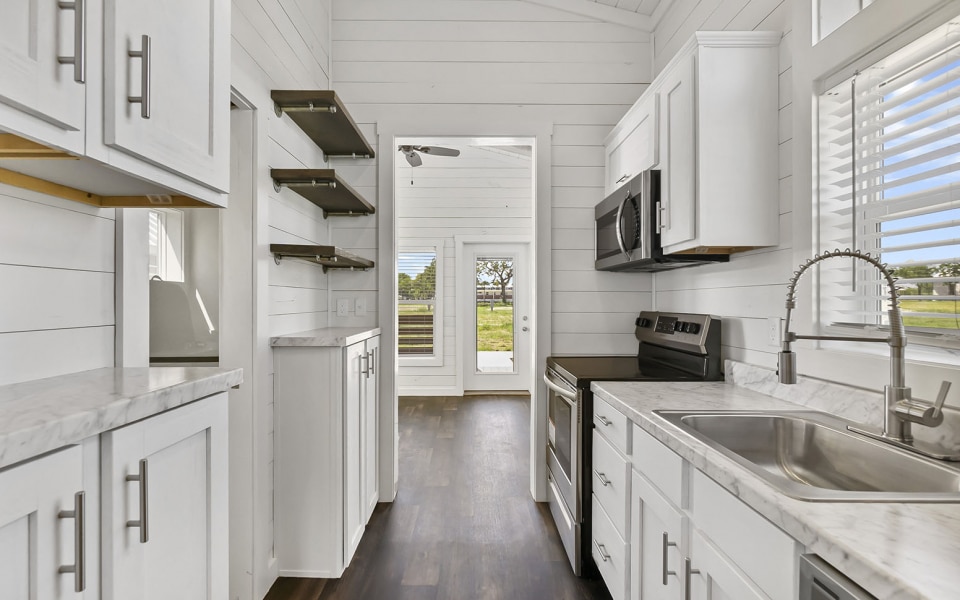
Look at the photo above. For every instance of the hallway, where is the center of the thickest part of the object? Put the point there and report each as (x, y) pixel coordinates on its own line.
(463, 525)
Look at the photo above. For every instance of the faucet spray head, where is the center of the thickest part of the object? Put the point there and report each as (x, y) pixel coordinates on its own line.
(787, 367)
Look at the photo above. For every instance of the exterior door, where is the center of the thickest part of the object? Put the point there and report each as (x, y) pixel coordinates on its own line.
(495, 290)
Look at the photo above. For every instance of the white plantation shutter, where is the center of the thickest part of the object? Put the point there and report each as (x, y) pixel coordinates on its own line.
(417, 302)
(890, 185)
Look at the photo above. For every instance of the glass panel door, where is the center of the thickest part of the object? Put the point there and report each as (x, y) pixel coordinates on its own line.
(495, 323)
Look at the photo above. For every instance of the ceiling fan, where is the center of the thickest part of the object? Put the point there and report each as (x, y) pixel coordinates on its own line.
(412, 153)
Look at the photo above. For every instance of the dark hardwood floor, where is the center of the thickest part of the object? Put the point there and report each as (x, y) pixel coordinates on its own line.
(463, 525)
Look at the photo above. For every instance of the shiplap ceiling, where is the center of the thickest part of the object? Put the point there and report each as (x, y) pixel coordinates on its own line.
(644, 7)
(639, 14)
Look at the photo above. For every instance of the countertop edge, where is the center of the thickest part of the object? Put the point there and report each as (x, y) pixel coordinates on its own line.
(117, 410)
(327, 337)
(768, 502)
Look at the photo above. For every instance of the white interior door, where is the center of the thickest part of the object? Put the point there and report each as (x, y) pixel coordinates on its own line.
(495, 289)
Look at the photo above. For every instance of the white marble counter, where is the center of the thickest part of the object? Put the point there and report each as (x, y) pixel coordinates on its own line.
(45, 414)
(330, 336)
(895, 551)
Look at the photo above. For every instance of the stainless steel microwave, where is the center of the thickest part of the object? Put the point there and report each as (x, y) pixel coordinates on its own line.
(627, 238)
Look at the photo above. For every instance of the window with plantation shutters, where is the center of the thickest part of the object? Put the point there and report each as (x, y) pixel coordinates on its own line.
(890, 185)
(419, 315)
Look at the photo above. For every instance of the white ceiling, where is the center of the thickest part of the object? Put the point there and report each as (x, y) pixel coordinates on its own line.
(643, 7)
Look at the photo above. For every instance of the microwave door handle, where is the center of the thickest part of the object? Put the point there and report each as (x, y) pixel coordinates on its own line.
(619, 228)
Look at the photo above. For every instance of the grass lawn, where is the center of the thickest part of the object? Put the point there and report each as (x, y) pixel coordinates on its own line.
(929, 306)
(495, 328)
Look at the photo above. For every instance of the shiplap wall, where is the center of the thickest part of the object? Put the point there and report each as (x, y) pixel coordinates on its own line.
(463, 58)
(752, 285)
(483, 191)
(281, 44)
(57, 299)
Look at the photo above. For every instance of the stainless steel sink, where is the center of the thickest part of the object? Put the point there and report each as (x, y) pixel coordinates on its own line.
(811, 456)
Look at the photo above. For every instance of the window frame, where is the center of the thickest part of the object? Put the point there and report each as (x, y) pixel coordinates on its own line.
(875, 32)
(437, 358)
(170, 230)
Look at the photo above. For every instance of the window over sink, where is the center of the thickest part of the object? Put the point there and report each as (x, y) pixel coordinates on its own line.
(889, 183)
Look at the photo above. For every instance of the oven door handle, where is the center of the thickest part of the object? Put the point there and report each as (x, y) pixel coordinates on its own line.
(559, 390)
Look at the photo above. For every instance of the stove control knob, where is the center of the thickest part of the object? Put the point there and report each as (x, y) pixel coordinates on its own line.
(643, 322)
(693, 328)
(678, 326)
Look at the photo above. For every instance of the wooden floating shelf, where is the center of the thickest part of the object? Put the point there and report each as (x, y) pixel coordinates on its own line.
(329, 257)
(323, 117)
(325, 189)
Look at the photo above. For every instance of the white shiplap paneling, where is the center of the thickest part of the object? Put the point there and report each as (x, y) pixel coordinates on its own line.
(57, 299)
(751, 286)
(469, 61)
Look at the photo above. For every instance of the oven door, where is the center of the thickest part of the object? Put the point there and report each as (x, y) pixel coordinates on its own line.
(563, 443)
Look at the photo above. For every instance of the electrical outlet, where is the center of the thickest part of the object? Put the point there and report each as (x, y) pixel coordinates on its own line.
(774, 330)
(343, 307)
(360, 308)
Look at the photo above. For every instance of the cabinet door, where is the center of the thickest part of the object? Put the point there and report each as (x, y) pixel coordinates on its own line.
(34, 35)
(34, 540)
(678, 138)
(182, 77)
(634, 147)
(713, 577)
(352, 440)
(371, 419)
(165, 505)
(655, 539)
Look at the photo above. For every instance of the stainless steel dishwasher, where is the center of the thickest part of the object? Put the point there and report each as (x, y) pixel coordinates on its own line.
(820, 581)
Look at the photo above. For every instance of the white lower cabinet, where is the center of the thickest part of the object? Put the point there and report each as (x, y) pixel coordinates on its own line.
(326, 454)
(656, 540)
(42, 521)
(710, 547)
(164, 494)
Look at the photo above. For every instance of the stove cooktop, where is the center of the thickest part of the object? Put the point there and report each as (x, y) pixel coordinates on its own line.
(582, 370)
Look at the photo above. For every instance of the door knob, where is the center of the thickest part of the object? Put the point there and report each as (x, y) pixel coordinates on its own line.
(525, 329)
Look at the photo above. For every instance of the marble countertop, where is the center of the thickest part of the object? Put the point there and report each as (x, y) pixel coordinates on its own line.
(45, 414)
(895, 551)
(330, 336)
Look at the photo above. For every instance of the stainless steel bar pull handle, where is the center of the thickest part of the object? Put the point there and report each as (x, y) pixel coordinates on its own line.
(144, 55)
(79, 566)
(606, 422)
(602, 477)
(373, 362)
(667, 544)
(143, 522)
(78, 60)
(365, 364)
(688, 572)
(602, 550)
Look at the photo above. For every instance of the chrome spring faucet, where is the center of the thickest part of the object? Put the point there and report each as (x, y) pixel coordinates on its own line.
(900, 408)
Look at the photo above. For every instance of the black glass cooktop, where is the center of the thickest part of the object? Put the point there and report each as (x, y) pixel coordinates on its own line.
(582, 370)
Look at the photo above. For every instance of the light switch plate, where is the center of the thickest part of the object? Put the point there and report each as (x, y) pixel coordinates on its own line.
(343, 307)
(360, 308)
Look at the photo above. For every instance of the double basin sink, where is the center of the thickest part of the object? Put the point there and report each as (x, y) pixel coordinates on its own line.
(812, 456)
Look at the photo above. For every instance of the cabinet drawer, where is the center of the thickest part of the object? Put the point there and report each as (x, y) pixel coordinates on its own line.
(764, 553)
(661, 465)
(610, 553)
(610, 482)
(612, 423)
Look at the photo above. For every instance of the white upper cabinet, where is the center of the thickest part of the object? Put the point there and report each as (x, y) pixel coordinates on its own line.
(632, 145)
(40, 87)
(719, 145)
(709, 123)
(166, 84)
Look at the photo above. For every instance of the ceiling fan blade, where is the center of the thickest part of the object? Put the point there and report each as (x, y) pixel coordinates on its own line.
(439, 151)
(413, 158)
